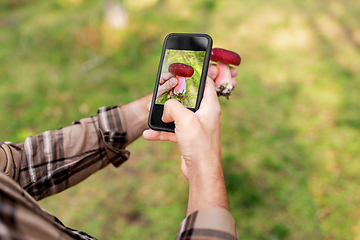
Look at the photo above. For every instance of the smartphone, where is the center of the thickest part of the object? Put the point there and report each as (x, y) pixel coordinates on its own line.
(185, 57)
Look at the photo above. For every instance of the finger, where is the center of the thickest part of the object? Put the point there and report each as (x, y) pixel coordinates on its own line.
(164, 77)
(233, 72)
(174, 111)
(213, 71)
(233, 82)
(148, 106)
(152, 135)
(210, 96)
(167, 86)
(210, 105)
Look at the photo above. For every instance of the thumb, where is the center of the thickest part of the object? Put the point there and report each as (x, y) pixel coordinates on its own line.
(174, 111)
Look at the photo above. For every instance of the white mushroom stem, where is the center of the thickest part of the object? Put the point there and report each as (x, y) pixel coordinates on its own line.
(180, 88)
(223, 81)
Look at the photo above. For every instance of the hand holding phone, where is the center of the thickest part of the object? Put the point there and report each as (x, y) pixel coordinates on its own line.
(198, 137)
(198, 134)
(184, 62)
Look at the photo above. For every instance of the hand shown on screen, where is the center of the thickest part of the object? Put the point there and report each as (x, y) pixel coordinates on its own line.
(167, 82)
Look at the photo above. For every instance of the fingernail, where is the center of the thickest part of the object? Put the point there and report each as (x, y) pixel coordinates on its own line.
(211, 72)
(173, 82)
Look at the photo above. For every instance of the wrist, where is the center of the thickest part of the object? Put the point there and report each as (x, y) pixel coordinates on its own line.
(206, 163)
(136, 116)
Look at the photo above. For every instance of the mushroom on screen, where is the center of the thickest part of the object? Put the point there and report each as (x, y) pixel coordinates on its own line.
(224, 82)
(182, 73)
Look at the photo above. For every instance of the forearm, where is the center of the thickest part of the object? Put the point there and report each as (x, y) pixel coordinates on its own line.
(207, 189)
(52, 161)
(136, 116)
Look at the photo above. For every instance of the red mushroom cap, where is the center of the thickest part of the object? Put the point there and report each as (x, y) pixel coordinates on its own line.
(181, 69)
(226, 56)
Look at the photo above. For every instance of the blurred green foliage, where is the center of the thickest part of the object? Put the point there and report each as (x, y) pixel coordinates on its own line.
(290, 131)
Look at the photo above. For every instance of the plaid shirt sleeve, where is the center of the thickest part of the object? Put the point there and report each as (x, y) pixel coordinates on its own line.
(208, 224)
(21, 218)
(50, 162)
(55, 160)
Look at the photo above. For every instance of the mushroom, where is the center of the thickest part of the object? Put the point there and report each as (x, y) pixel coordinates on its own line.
(224, 81)
(182, 73)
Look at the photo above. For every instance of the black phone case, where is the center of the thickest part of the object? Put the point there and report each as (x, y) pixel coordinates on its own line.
(158, 109)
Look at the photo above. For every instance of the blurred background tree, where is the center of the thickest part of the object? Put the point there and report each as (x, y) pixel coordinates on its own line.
(290, 131)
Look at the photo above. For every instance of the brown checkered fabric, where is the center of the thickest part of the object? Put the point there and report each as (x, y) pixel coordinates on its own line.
(55, 160)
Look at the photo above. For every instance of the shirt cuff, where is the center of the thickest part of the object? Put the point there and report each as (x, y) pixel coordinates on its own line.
(214, 223)
(112, 127)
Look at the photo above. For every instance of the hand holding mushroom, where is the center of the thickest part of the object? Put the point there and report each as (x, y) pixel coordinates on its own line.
(174, 82)
(167, 82)
(224, 81)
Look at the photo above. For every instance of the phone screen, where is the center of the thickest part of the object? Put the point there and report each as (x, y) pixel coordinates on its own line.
(186, 91)
(185, 57)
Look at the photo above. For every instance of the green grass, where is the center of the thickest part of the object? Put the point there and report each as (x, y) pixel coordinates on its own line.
(290, 131)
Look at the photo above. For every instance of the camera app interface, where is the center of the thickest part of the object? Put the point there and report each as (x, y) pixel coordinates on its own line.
(184, 67)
